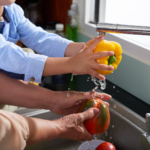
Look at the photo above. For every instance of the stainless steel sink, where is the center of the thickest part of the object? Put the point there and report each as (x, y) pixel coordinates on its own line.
(124, 131)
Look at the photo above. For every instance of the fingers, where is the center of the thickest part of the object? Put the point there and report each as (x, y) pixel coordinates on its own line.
(103, 96)
(90, 113)
(87, 135)
(101, 66)
(95, 42)
(83, 48)
(106, 104)
(102, 54)
(94, 73)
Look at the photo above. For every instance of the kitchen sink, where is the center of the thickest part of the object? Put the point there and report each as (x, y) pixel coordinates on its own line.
(124, 131)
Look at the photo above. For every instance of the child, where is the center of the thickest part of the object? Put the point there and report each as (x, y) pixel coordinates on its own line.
(56, 51)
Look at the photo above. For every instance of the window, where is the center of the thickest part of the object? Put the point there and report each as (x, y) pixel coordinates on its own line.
(129, 12)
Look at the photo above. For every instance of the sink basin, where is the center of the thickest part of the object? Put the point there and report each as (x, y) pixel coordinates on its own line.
(124, 131)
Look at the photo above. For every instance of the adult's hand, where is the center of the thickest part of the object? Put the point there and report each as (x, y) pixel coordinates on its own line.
(71, 126)
(69, 102)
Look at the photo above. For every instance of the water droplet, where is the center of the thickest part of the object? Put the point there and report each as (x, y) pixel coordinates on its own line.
(110, 138)
(106, 133)
(103, 84)
(67, 118)
(71, 78)
(68, 95)
(115, 106)
(93, 96)
(113, 126)
(114, 87)
(94, 136)
(102, 96)
(80, 102)
(95, 88)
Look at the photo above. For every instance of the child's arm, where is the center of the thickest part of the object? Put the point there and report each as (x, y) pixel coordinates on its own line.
(18, 64)
(28, 67)
(19, 131)
(81, 63)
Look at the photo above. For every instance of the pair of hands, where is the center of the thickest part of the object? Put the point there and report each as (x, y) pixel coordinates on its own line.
(82, 62)
(71, 126)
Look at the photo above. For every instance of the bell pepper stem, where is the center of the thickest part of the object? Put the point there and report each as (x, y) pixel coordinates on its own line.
(111, 60)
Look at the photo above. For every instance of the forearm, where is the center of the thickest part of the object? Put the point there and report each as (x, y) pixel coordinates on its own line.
(20, 131)
(14, 92)
(41, 130)
(73, 48)
(55, 66)
(61, 65)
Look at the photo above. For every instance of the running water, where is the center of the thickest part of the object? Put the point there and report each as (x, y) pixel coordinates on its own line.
(106, 133)
(68, 95)
(71, 81)
(71, 77)
(110, 138)
(115, 106)
(98, 82)
(94, 136)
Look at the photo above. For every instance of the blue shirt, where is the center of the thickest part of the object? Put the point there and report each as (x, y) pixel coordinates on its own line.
(13, 60)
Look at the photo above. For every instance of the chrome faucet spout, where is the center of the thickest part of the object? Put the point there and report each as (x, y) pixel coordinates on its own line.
(124, 29)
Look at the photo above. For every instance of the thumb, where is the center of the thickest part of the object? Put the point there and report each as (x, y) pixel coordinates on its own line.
(90, 113)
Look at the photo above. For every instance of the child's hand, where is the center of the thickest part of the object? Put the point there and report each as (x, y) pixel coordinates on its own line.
(84, 61)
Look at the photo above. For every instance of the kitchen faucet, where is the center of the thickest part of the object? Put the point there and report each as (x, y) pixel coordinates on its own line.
(145, 137)
(103, 28)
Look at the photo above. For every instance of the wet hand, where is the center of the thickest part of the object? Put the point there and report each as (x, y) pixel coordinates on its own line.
(84, 61)
(71, 126)
(69, 102)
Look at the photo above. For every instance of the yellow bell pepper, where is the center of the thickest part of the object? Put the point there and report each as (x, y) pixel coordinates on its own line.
(109, 60)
